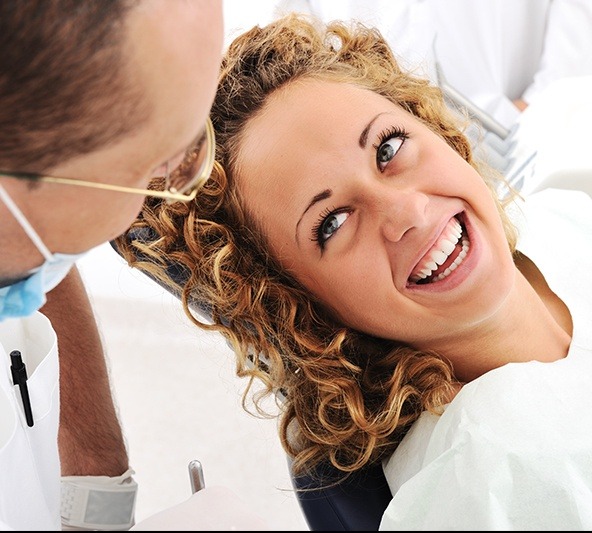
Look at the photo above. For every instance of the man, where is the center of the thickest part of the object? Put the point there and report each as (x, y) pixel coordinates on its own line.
(96, 98)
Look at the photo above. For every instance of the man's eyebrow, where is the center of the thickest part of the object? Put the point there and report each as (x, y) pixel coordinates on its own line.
(363, 140)
(317, 198)
(199, 139)
(195, 144)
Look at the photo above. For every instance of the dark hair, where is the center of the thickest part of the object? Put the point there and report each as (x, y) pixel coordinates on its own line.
(64, 86)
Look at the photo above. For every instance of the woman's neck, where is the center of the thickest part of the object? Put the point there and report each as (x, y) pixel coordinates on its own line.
(554, 304)
(533, 324)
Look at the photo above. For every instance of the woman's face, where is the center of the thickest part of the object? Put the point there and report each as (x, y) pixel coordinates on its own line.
(374, 213)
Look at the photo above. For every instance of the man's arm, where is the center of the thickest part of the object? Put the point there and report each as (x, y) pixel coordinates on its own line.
(90, 437)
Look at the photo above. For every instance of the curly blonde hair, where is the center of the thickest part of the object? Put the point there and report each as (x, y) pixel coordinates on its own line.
(348, 397)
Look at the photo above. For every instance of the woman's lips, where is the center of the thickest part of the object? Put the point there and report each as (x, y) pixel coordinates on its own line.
(444, 257)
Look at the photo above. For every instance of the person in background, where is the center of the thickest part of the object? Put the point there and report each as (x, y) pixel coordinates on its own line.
(404, 313)
(500, 54)
(97, 98)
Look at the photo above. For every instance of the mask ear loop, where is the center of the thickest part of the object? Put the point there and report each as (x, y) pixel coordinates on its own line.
(28, 229)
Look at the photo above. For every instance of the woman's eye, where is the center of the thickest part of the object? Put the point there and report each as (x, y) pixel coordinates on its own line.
(387, 150)
(389, 143)
(328, 226)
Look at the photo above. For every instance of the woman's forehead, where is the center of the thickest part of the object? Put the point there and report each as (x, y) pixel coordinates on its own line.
(309, 110)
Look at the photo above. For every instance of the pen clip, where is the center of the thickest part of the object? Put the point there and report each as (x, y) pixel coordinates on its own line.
(19, 377)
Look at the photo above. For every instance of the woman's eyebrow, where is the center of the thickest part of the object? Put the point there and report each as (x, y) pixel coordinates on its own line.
(317, 198)
(364, 135)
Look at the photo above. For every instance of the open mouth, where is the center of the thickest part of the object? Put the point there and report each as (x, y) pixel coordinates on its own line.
(444, 257)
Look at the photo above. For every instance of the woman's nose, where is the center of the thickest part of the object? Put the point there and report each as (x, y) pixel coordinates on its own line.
(401, 211)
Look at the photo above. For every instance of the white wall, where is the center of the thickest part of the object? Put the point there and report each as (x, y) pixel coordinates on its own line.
(241, 15)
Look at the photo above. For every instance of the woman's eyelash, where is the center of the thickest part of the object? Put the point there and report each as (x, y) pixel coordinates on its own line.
(392, 132)
(316, 229)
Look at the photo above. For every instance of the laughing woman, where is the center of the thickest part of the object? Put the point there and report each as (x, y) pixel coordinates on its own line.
(349, 236)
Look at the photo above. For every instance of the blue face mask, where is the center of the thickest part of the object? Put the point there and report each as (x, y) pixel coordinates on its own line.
(27, 295)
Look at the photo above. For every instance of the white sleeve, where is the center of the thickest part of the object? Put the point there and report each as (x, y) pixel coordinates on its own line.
(567, 49)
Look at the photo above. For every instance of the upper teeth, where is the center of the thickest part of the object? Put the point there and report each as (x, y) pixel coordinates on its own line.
(440, 252)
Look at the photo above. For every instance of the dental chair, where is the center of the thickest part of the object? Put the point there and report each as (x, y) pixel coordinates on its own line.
(356, 504)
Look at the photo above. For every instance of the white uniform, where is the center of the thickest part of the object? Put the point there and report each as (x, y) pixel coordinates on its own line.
(513, 450)
(29, 460)
(492, 51)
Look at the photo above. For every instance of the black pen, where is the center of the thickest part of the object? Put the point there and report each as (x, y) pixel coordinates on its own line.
(19, 377)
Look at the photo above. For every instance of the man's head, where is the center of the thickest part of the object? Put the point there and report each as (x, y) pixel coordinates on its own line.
(98, 91)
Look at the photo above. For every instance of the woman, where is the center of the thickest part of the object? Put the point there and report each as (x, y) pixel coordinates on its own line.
(350, 238)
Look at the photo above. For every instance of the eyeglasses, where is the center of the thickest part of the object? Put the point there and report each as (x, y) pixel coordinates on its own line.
(182, 184)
